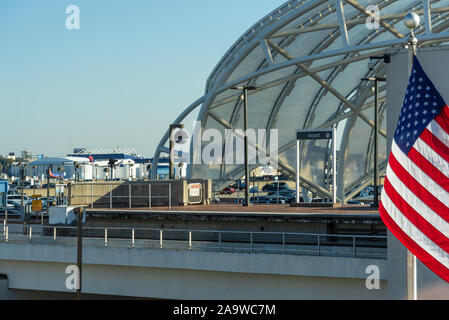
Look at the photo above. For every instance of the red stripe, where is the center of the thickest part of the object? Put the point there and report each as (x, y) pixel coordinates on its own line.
(422, 255)
(443, 119)
(433, 172)
(414, 217)
(436, 144)
(422, 193)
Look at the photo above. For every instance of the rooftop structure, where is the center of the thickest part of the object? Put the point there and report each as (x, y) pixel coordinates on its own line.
(307, 58)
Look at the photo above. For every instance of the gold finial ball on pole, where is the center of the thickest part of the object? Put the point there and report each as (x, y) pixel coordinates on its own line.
(412, 20)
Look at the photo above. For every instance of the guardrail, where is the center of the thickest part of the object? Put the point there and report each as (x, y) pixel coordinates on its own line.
(356, 246)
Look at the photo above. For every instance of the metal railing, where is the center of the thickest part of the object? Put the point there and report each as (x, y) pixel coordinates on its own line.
(285, 243)
(111, 201)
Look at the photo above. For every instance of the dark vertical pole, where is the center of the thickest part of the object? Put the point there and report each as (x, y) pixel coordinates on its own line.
(245, 98)
(79, 258)
(172, 145)
(376, 143)
(23, 185)
(48, 192)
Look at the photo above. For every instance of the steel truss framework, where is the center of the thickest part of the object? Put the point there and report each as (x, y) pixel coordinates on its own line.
(308, 58)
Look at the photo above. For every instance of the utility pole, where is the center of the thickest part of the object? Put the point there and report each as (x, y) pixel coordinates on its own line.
(79, 252)
(48, 191)
(245, 90)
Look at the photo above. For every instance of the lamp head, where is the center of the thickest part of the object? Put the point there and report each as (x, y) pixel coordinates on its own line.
(412, 20)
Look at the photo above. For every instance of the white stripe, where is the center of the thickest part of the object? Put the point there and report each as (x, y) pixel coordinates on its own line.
(424, 211)
(432, 156)
(414, 233)
(438, 132)
(420, 176)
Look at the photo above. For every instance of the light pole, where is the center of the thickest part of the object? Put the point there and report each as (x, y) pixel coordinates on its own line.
(22, 167)
(171, 174)
(376, 81)
(245, 90)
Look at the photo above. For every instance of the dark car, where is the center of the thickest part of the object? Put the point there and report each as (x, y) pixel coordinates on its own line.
(227, 190)
(259, 199)
(276, 189)
(275, 185)
(239, 185)
(49, 185)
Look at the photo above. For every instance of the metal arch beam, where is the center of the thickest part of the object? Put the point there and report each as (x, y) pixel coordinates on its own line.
(164, 139)
(351, 23)
(271, 23)
(267, 51)
(427, 15)
(339, 96)
(344, 146)
(388, 44)
(342, 22)
(295, 76)
(384, 24)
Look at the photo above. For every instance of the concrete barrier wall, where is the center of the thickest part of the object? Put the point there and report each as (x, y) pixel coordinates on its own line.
(190, 274)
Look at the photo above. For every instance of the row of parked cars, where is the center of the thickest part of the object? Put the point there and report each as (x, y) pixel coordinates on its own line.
(14, 201)
(277, 192)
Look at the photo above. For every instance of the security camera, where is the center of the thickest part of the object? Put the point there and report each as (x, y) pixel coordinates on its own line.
(371, 65)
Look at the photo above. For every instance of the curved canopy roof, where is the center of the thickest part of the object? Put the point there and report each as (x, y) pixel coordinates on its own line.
(308, 58)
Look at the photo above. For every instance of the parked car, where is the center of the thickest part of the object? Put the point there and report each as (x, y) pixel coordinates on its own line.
(16, 199)
(45, 201)
(283, 193)
(240, 185)
(279, 199)
(227, 190)
(275, 185)
(259, 199)
(50, 185)
(254, 190)
(355, 202)
(320, 200)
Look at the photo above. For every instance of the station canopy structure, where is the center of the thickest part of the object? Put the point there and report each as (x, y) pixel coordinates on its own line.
(308, 58)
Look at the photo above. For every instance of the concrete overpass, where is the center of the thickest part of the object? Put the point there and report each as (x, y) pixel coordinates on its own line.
(129, 267)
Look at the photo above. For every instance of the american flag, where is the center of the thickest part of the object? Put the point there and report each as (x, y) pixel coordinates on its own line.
(415, 198)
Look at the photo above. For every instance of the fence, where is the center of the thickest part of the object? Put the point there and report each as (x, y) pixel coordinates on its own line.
(121, 195)
(356, 246)
(137, 194)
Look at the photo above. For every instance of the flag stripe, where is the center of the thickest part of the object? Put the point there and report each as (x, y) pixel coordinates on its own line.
(436, 143)
(419, 252)
(420, 192)
(416, 219)
(443, 119)
(401, 191)
(432, 157)
(424, 180)
(428, 168)
(414, 233)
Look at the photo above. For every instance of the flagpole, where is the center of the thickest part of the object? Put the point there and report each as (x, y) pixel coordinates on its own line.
(412, 21)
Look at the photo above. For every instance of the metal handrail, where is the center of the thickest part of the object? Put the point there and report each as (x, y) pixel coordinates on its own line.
(300, 246)
(321, 235)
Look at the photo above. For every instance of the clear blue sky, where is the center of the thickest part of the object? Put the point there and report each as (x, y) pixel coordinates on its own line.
(120, 79)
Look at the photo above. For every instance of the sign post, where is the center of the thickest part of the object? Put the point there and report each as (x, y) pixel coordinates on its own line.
(320, 134)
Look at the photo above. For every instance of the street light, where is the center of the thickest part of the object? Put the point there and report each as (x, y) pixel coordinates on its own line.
(376, 81)
(171, 175)
(245, 90)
